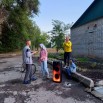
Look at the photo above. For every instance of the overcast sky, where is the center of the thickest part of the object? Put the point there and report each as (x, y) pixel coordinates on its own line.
(67, 11)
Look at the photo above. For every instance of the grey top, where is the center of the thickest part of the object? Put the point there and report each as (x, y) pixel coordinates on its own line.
(27, 55)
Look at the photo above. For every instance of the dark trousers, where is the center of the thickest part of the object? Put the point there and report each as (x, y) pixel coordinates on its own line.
(67, 56)
(28, 75)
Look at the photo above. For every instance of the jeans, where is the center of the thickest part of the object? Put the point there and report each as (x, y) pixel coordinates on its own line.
(44, 68)
(68, 71)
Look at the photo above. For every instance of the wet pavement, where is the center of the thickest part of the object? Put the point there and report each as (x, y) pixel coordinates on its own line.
(13, 91)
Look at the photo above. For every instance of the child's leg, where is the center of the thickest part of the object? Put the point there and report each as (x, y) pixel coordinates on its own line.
(68, 57)
(65, 57)
(46, 68)
(69, 73)
(42, 68)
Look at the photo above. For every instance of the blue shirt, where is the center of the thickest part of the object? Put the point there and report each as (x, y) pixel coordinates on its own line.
(72, 67)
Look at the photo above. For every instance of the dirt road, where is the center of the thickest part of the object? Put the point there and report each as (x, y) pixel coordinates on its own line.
(13, 91)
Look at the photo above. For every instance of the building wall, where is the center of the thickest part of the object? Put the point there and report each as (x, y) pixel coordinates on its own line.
(88, 39)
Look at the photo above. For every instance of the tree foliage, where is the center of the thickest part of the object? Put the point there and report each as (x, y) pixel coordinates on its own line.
(18, 26)
(60, 29)
(30, 6)
(41, 38)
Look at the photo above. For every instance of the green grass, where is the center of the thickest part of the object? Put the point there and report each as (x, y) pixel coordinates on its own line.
(83, 59)
(54, 55)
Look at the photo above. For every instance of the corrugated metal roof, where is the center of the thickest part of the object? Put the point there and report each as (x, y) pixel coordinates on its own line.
(93, 12)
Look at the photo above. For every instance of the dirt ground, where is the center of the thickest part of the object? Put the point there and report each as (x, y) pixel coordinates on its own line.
(13, 91)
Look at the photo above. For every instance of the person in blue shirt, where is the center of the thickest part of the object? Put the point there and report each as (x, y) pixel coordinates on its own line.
(71, 68)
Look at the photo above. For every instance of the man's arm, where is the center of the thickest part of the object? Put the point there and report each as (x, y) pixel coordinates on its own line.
(28, 53)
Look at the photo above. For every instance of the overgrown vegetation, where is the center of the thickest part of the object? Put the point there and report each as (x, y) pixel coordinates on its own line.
(19, 26)
(83, 59)
(60, 30)
(56, 55)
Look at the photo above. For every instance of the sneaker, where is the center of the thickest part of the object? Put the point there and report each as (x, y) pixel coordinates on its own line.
(26, 82)
(33, 79)
(47, 77)
(65, 66)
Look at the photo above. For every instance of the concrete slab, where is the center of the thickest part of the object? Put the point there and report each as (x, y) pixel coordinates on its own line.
(99, 83)
(98, 92)
(83, 79)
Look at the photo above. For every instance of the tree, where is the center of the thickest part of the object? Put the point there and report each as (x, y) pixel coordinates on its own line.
(41, 38)
(45, 38)
(30, 6)
(18, 26)
(58, 33)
